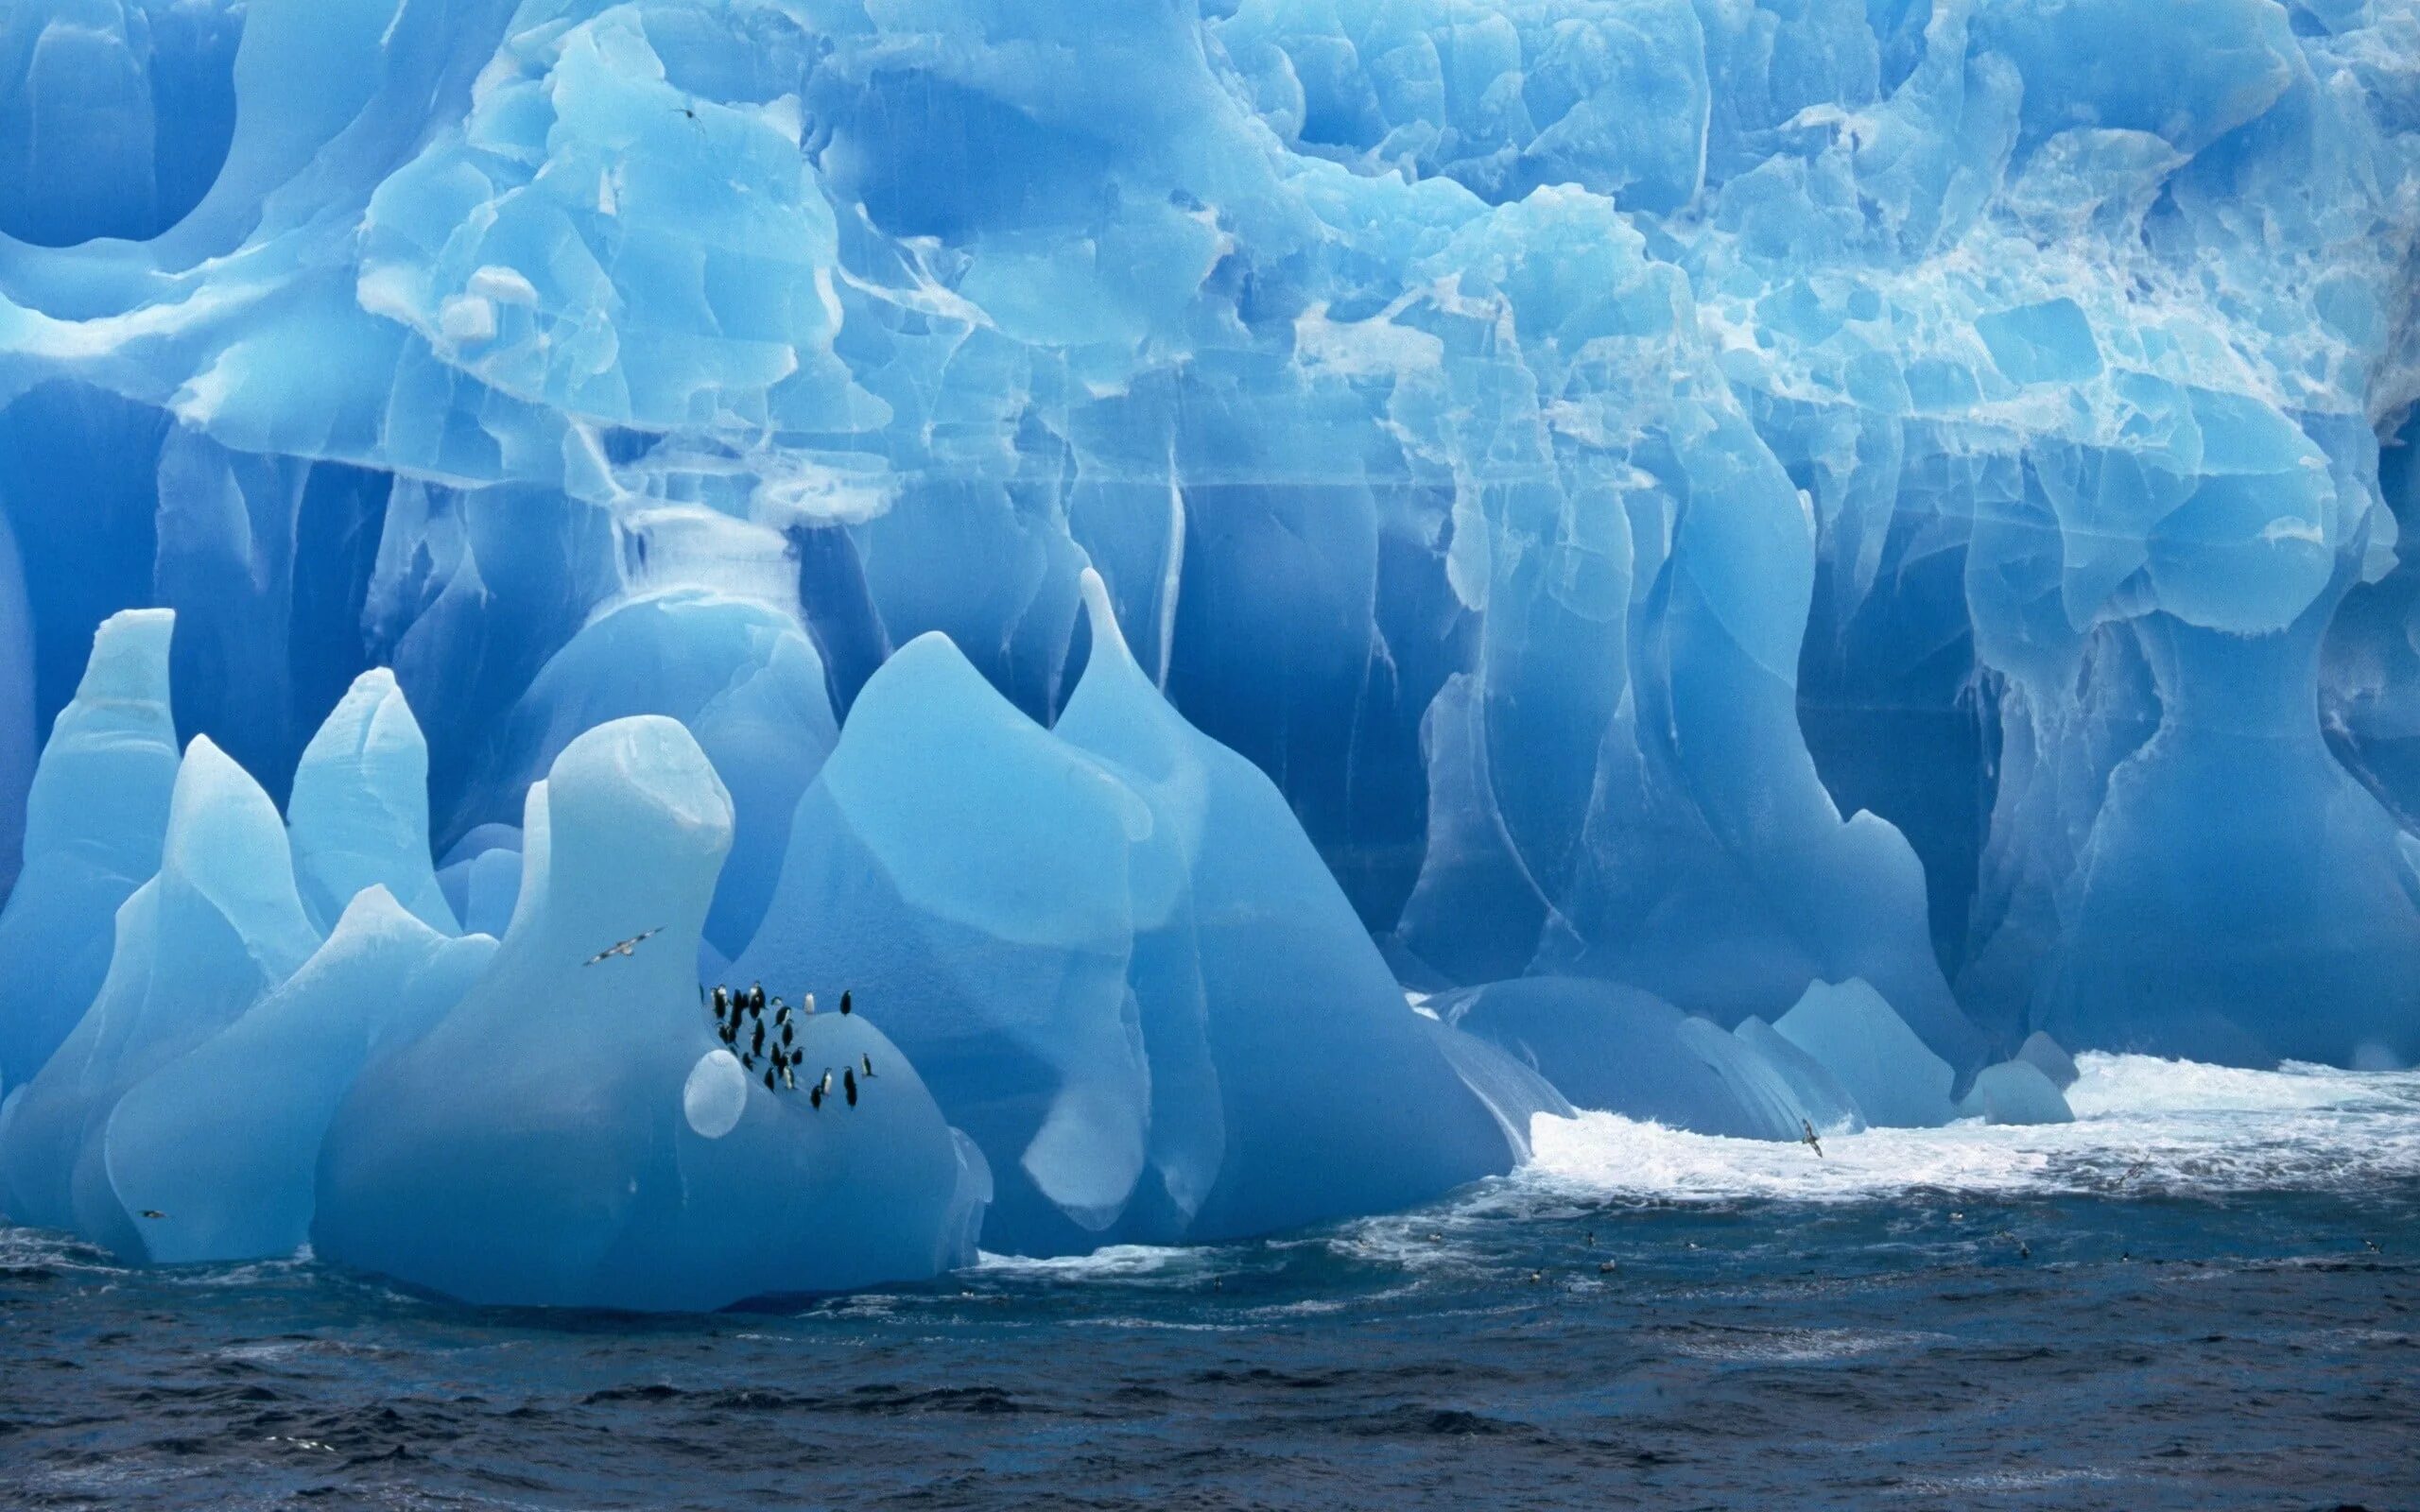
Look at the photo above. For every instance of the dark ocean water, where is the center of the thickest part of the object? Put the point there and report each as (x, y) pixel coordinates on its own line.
(2206, 1294)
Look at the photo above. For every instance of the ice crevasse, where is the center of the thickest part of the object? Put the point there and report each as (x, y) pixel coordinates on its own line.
(1775, 565)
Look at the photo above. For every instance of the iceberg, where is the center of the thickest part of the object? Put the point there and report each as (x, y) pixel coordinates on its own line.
(542, 1144)
(1774, 561)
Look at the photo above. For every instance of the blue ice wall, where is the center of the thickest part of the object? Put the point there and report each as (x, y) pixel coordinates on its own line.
(1722, 499)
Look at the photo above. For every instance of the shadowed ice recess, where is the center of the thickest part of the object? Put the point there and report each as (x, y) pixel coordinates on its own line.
(1308, 603)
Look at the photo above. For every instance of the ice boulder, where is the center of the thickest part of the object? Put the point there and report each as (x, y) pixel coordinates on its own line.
(359, 809)
(537, 1147)
(95, 818)
(223, 1144)
(219, 926)
(742, 677)
(1852, 1033)
(2045, 1056)
(2014, 1092)
(1336, 1099)
(966, 875)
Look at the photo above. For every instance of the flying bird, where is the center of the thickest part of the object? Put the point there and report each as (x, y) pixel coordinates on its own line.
(1809, 1140)
(623, 947)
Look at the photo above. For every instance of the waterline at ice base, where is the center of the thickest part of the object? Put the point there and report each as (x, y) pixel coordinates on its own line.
(1293, 601)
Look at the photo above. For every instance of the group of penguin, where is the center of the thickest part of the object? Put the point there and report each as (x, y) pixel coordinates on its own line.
(741, 1024)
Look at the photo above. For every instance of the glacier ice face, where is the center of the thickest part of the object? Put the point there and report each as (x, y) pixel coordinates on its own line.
(1712, 497)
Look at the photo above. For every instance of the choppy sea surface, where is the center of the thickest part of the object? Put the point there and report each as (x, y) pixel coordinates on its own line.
(2205, 1293)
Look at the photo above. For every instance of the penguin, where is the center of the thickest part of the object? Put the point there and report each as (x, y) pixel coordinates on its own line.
(849, 1084)
(153, 1212)
(789, 1083)
(807, 1009)
(845, 1004)
(721, 1001)
(769, 1079)
(815, 1096)
(756, 1000)
(787, 1034)
(825, 1087)
(1809, 1140)
(757, 1045)
(868, 1062)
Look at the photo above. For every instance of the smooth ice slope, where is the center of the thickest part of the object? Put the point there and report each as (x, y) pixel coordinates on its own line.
(1625, 1052)
(217, 928)
(964, 876)
(740, 677)
(1852, 1033)
(224, 1141)
(535, 1147)
(1336, 1099)
(359, 809)
(94, 819)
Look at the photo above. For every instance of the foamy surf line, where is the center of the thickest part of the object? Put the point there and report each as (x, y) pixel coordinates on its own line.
(2142, 1125)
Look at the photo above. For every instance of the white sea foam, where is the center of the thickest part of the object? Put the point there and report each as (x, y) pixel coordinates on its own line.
(2142, 1125)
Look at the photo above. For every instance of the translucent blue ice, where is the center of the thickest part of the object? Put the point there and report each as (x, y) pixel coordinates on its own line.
(217, 928)
(1850, 1030)
(1172, 524)
(94, 820)
(539, 1145)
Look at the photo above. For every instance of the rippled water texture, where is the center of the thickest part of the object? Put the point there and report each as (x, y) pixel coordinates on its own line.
(2201, 1294)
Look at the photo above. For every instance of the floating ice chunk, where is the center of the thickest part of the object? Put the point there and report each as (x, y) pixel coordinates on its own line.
(224, 1142)
(359, 809)
(95, 818)
(1336, 1100)
(1849, 1029)
(2014, 1092)
(2045, 1055)
(197, 945)
(966, 875)
(536, 1145)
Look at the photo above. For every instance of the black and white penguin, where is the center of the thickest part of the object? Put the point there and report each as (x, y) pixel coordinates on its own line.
(844, 1003)
(757, 1043)
(815, 1095)
(868, 1062)
(849, 1084)
(756, 1000)
(721, 1001)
